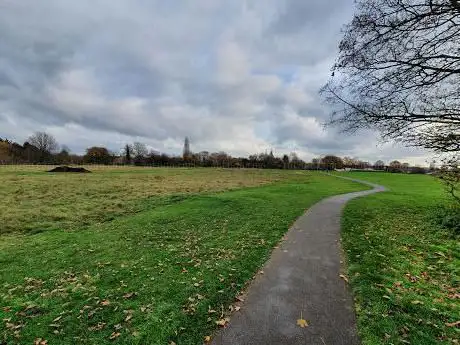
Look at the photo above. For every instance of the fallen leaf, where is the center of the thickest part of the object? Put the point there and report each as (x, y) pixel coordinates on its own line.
(302, 323)
(114, 335)
(343, 277)
(40, 341)
(207, 339)
(128, 295)
(105, 302)
(453, 324)
(222, 322)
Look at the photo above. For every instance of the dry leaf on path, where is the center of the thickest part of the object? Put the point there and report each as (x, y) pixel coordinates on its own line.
(222, 322)
(302, 323)
(207, 339)
(343, 277)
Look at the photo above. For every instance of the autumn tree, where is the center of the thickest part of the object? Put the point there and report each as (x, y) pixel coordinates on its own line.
(4, 151)
(398, 72)
(98, 155)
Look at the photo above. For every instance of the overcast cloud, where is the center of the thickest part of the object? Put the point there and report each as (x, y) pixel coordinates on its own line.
(239, 76)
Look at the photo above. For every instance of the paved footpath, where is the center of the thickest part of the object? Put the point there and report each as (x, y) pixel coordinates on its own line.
(302, 278)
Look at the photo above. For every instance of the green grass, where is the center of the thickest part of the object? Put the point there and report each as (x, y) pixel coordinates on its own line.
(36, 201)
(164, 274)
(404, 269)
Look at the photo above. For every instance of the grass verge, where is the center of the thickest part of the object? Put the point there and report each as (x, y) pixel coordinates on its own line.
(404, 268)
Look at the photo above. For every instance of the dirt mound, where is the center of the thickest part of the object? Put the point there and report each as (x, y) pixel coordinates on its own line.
(69, 169)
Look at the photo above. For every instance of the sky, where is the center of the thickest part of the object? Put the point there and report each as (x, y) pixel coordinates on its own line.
(238, 76)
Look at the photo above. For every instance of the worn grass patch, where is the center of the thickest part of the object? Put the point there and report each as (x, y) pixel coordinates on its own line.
(36, 201)
(404, 269)
(165, 274)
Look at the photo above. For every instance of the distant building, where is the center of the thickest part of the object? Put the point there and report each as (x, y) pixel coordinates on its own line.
(187, 154)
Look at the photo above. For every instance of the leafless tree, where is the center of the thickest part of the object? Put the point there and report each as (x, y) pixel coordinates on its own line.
(139, 150)
(44, 142)
(398, 72)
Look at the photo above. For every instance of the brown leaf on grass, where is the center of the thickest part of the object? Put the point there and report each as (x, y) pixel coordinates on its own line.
(57, 319)
(222, 322)
(114, 335)
(128, 317)
(105, 302)
(6, 309)
(344, 277)
(207, 339)
(453, 324)
(129, 295)
(97, 327)
(40, 341)
(302, 323)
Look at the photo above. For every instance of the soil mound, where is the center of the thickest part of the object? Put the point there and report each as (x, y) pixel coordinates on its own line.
(69, 169)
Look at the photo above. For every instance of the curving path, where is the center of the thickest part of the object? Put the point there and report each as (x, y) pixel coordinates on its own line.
(302, 277)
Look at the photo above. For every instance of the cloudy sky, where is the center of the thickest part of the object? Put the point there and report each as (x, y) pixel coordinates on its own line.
(240, 76)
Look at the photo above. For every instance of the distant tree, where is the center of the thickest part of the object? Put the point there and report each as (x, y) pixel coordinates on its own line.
(394, 166)
(140, 153)
(348, 162)
(286, 161)
(127, 153)
(332, 162)
(405, 167)
(63, 157)
(4, 151)
(417, 170)
(98, 155)
(45, 143)
(379, 165)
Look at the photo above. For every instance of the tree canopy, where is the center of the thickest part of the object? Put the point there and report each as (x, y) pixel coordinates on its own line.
(398, 72)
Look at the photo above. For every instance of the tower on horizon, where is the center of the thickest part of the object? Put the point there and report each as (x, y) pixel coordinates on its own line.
(187, 153)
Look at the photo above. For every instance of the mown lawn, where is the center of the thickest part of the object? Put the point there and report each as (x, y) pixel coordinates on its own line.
(404, 268)
(164, 274)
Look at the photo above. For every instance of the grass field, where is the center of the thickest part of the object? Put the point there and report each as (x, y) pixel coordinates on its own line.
(404, 268)
(44, 201)
(163, 267)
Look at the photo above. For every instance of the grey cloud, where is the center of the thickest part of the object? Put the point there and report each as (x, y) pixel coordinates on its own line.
(235, 75)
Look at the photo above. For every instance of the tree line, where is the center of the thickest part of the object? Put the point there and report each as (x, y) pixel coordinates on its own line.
(42, 148)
